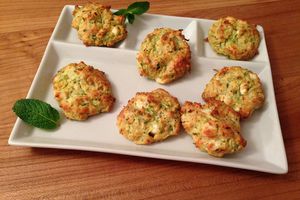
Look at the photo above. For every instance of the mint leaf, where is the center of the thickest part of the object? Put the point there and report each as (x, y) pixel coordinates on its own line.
(130, 18)
(138, 8)
(36, 113)
(121, 12)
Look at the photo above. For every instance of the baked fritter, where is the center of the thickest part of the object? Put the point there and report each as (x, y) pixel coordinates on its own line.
(150, 117)
(82, 91)
(214, 127)
(234, 38)
(98, 26)
(237, 87)
(164, 55)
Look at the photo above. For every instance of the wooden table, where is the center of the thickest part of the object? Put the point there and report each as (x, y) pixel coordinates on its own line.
(32, 173)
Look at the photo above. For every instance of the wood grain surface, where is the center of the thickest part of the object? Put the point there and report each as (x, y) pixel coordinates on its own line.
(33, 173)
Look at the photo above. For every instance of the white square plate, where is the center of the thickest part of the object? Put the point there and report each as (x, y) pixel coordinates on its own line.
(264, 151)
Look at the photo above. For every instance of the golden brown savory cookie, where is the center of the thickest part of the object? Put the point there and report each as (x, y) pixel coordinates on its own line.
(237, 87)
(234, 38)
(98, 26)
(164, 55)
(82, 91)
(150, 117)
(214, 127)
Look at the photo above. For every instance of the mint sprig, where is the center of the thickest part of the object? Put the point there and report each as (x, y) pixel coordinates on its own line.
(37, 113)
(136, 8)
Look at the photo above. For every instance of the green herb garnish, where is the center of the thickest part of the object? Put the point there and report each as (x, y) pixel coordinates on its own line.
(37, 113)
(136, 8)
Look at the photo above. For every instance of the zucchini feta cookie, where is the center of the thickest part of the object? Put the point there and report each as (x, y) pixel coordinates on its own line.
(237, 87)
(150, 117)
(164, 55)
(98, 26)
(82, 91)
(214, 127)
(234, 38)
